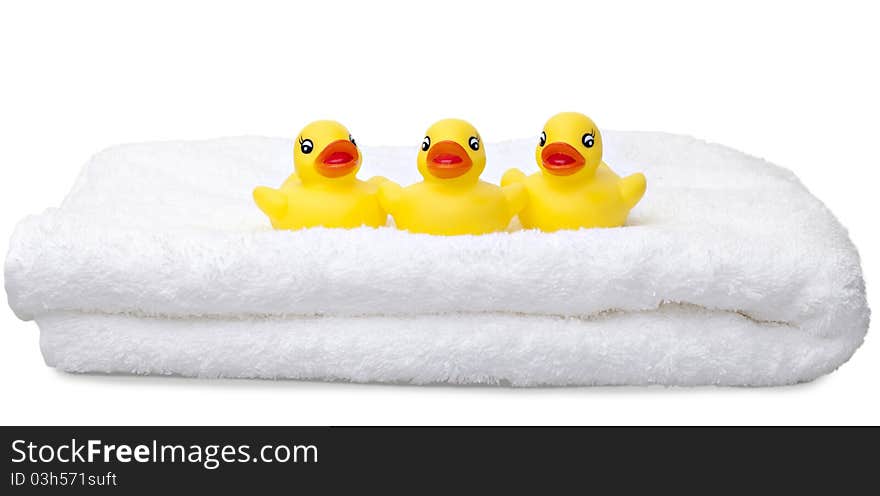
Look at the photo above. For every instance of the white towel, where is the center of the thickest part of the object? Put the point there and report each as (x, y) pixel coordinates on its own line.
(729, 272)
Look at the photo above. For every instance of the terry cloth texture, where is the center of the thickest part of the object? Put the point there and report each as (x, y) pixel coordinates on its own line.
(158, 262)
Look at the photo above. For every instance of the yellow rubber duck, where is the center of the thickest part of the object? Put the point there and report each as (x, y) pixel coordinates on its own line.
(324, 190)
(574, 188)
(452, 200)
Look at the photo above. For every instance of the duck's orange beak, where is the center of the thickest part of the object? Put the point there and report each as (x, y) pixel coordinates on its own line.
(338, 159)
(561, 159)
(447, 160)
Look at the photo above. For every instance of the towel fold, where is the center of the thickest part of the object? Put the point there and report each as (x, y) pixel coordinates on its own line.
(675, 345)
(163, 236)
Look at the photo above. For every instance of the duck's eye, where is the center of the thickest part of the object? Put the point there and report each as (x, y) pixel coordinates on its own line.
(426, 143)
(542, 140)
(350, 138)
(587, 140)
(474, 143)
(306, 146)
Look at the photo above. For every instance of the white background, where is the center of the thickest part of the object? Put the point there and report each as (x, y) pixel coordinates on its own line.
(795, 83)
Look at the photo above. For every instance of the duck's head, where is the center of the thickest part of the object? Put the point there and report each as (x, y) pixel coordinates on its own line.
(452, 151)
(570, 146)
(325, 151)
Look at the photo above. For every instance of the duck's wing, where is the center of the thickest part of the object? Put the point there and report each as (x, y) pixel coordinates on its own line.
(272, 202)
(632, 188)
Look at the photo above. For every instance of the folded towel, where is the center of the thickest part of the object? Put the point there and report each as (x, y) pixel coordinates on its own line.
(729, 272)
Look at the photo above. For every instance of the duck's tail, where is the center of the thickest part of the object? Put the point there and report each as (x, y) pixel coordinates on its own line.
(512, 176)
(389, 193)
(632, 188)
(291, 181)
(378, 181)
(517, 197)
(271, 201)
